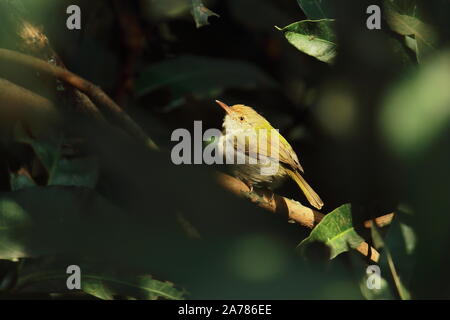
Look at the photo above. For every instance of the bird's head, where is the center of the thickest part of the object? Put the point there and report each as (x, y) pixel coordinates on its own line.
(240, 117)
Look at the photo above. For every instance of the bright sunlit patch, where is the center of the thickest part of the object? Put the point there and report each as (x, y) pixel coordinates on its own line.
(417, 111)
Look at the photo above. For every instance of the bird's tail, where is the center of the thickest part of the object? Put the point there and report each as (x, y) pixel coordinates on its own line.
(310, 194)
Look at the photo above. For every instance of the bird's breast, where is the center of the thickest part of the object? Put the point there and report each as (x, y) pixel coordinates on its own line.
(265, 172)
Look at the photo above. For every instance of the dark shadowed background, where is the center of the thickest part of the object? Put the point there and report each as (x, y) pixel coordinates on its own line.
(371, 128)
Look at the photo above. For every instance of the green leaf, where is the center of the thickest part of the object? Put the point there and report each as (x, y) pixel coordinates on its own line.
(106, 286)
(201, 77)
(336, 231)
(75, 172)
(77, 222)
(313, 37)
(73, 220)
(401, 51)
(62, 170)
(41, 220)
(387, 258)
(20, 180)
(201, 13)
(411, 43)
(403, 17)
(49, 275)
(316, 9)
(397, 255)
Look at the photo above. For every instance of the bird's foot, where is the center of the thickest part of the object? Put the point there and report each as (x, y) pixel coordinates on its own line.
(269, 195)
(249, 185)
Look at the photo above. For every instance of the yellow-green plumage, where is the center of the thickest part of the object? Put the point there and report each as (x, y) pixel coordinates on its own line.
(240, 120)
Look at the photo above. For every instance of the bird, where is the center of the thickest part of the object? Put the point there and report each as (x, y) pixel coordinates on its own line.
(243, 122)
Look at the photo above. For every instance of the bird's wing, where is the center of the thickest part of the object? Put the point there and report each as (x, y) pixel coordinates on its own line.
(267, 145)
(287, 155)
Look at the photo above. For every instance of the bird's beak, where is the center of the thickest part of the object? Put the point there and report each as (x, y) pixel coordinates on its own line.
(224, 106)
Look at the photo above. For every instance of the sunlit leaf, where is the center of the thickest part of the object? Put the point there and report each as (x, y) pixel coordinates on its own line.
(263, 13)
(106, 286)
(313, 37)
(201, 13)
(336, 231)
(403, 16)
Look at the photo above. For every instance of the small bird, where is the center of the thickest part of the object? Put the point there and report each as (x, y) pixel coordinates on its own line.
(241, 120)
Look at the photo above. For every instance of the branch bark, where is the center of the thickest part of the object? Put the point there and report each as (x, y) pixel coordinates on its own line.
(90, 97)
(294, 210)
(18, 103)
(28, 38)
(97, 96)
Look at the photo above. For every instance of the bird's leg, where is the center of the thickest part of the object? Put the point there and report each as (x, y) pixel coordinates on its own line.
(249, 185)
(269, 195)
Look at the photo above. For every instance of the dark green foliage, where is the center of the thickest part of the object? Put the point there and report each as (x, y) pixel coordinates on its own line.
(371, 126)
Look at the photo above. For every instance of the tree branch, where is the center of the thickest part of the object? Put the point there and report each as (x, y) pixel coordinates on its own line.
(19, 103)
(28, 38)
(97, 96)
(293, 210)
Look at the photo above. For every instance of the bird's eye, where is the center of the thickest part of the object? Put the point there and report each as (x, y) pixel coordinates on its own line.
(241, 118)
